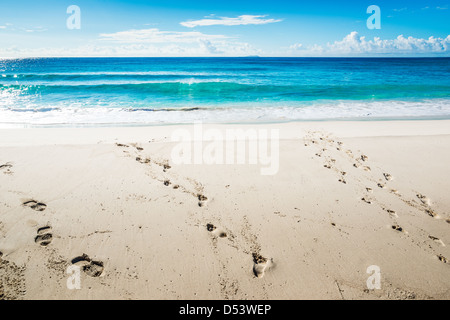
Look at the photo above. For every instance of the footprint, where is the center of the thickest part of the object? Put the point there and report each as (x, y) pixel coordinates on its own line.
(342, 180)
(44, 240)
(397, 228)
(369, 190)
(424, 199)
(364, 158)
(380, 185)
(387, 176)
(260, 264)
(437, 240)
(392, 212)
(7, 167)
(90, 267)
(367, 168)
(44, 237)
(143, 161)
(431, 213)
(37, 206)
(166, 182)
(122, 145)
(201, 200)
(327, 166)
(442, 259)
(366, 200)
(213, 229)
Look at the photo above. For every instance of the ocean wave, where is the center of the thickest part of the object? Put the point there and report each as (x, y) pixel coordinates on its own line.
(236, 90)
(336, 110)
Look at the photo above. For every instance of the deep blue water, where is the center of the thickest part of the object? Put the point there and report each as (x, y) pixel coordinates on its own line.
(113, 91)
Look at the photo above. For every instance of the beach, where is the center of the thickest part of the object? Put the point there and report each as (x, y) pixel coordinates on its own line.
(347, 197)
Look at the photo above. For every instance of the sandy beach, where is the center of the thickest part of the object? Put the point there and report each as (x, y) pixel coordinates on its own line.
(346, 196)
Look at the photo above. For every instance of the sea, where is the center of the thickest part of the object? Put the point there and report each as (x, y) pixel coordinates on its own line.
(79, 92)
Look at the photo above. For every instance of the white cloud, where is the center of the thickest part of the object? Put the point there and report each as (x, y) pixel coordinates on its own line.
(225, 21)
(157, 43)
(353, 44)
(157, 36)
(144, 43)
(201, 48)
(296, 46)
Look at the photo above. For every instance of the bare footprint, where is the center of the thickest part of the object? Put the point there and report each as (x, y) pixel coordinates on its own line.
(44, 240)
(260, 264)
(6, 167)
(90, 267)
(437, 240)
(392, 213)
(201, 200)
(442, 259)
(44, 236)
(37, 206)
(214, 230)
(424, 199)
(387, 176)
(366, 200)
(431, 213)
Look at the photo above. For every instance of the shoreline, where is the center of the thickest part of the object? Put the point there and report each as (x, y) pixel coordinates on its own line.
(288, 130)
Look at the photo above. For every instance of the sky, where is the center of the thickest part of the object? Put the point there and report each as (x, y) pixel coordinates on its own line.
(153, 28)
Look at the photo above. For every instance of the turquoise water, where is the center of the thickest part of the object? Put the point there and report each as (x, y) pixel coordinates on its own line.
(117, 91)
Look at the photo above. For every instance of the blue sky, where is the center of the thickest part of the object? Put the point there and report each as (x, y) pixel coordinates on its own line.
(224, 28)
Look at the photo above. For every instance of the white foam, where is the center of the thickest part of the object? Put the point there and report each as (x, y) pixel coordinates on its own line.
(77, 115)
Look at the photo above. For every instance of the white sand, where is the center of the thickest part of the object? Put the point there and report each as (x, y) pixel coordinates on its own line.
(311, 235)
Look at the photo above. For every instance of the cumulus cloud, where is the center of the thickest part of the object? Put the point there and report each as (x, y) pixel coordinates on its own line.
(225, 21)
(354, 44)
